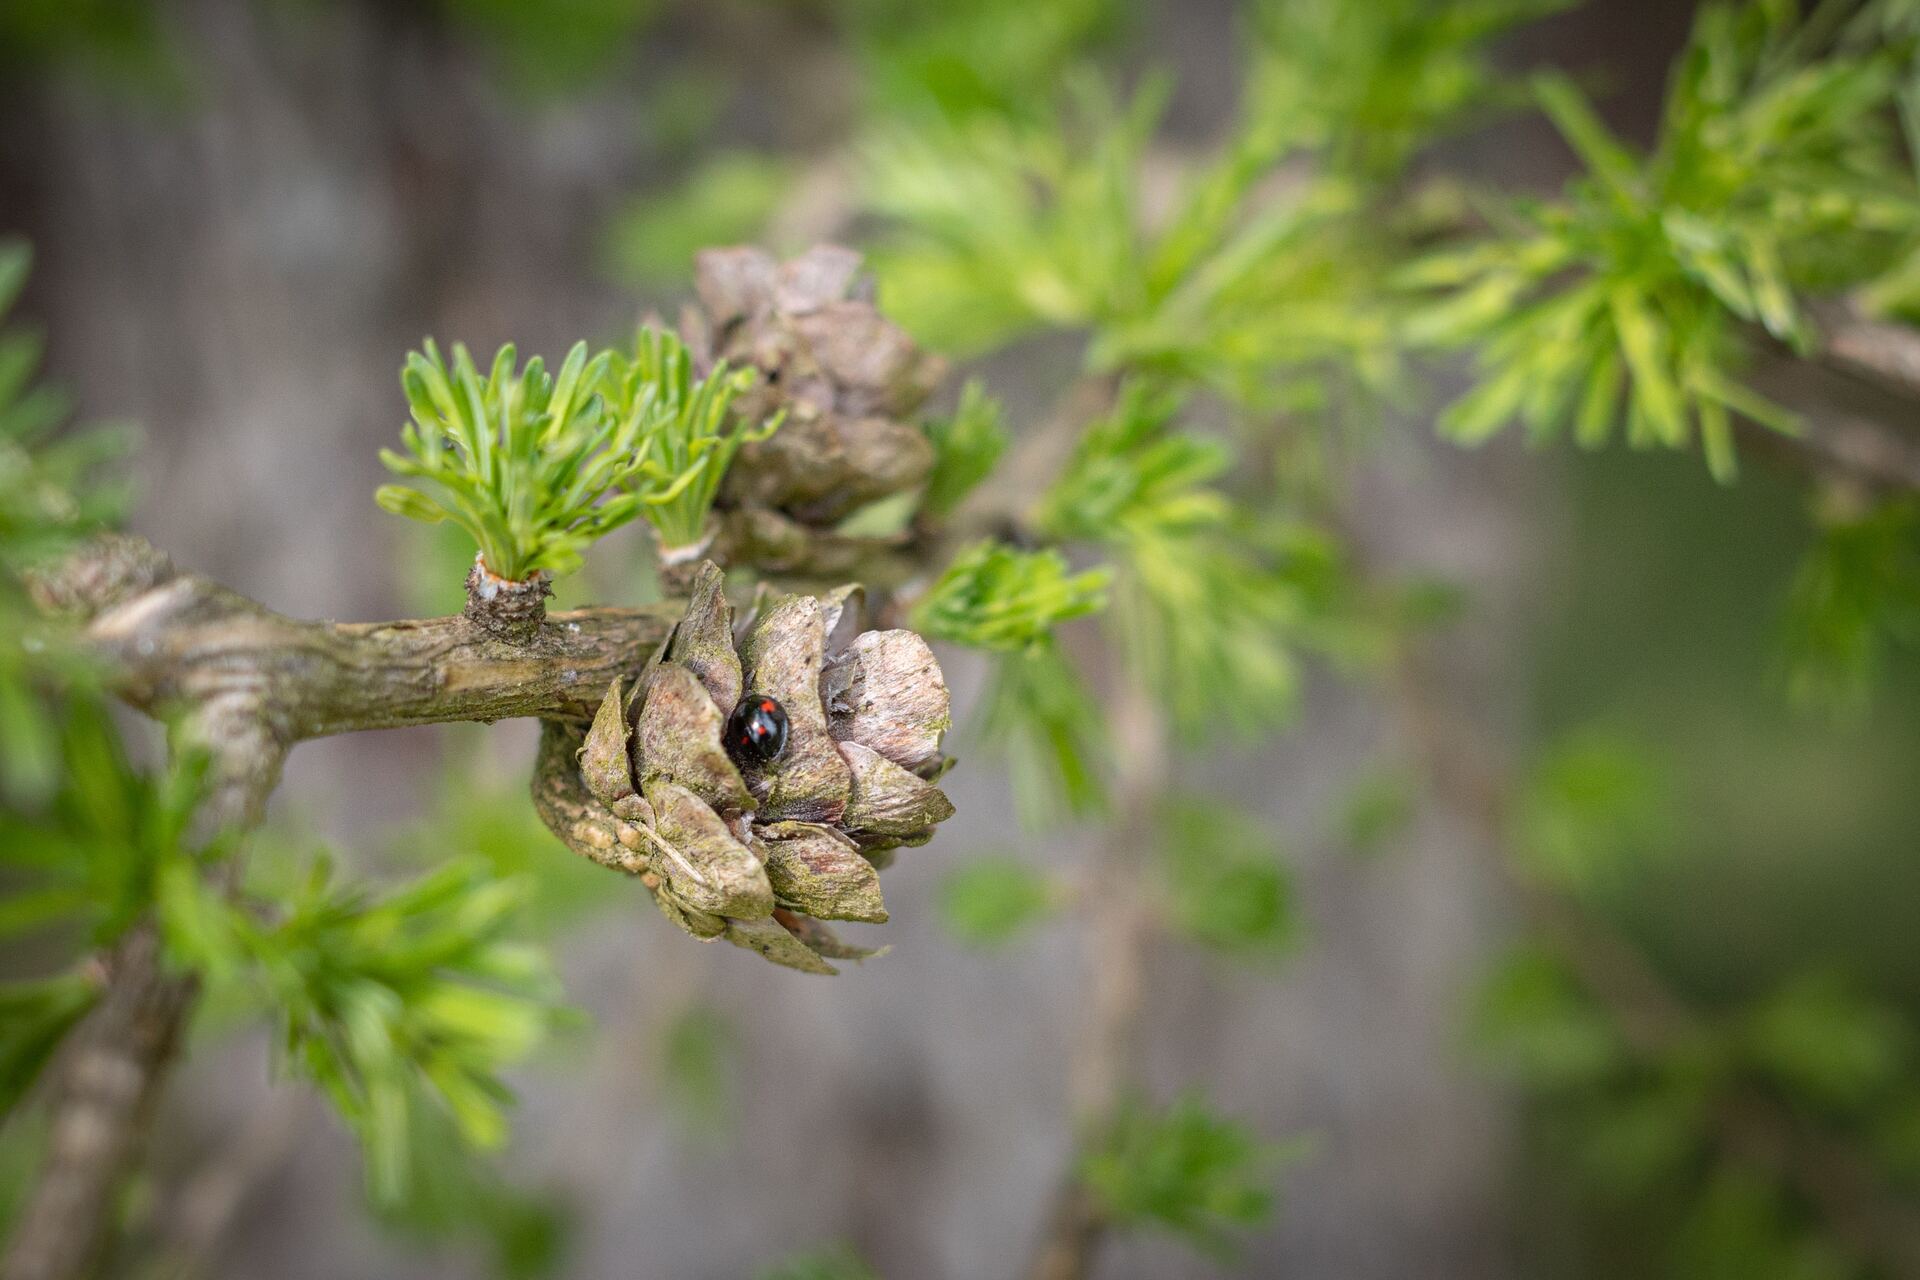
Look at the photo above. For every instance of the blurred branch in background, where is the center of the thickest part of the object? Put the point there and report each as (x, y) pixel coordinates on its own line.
(1746, 1123)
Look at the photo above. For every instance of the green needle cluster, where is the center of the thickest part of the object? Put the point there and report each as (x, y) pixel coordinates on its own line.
(690, 437)
(536, 466)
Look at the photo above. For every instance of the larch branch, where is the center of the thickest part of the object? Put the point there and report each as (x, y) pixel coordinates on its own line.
(176, 642)
(246, 683)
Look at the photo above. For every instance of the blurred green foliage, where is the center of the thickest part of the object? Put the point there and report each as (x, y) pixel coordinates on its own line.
(1006, 601)
(95, 858)
(397, 1004)
(832, 1262)
(1534, 1015)
(547, 47)
(1369, 86)
(52, 486)
(1183, 1168)
(1202, 609)
(1828, 1044)
(84, 868)
(35, 1013)
(1037, 712)
(698, 1049)
(986, 58)
(474, 814)
(1592, 805)
(1755, 858)
(1001, 229)
(1225, 886)
(450, 1195)
(727, 199)
(115, 44)
(966, 448)
(991, 901)
(1040, 716)
(1712, 1137)
(55, 487)
(1783, 840)
(1379, 806)
(1779, 169)
(1854, 601)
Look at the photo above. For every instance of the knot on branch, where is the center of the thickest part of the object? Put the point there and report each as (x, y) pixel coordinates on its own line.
(758, 787)
(108, 570)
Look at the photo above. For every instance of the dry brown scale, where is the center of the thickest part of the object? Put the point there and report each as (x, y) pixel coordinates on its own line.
(849, 381)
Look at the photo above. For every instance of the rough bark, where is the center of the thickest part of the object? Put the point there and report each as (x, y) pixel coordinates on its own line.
(175, 640)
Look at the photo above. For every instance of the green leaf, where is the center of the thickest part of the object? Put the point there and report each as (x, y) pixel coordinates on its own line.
(834, 1262)
(34, 1017)
(1536, 1024)
(535, 467)
(1038, 715)
(1830, 1044)
(411, 503)
(1185, 1169)
(35, 909)
(1616, 167)
(996, 598)
(966, 447)
(698, 1051)
(1643, 343)
(991, 901)
(403, 1008)
(681, 431)
(1591, 810)
(1225, 886)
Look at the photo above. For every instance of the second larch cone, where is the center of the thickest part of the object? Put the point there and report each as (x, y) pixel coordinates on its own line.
(848, 379)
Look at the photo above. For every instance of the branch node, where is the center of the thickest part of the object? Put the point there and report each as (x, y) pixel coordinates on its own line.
(509, 610)
(679, 565)
(105, 571)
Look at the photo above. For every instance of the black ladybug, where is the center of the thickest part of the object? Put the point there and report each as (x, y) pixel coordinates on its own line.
(757, 730)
